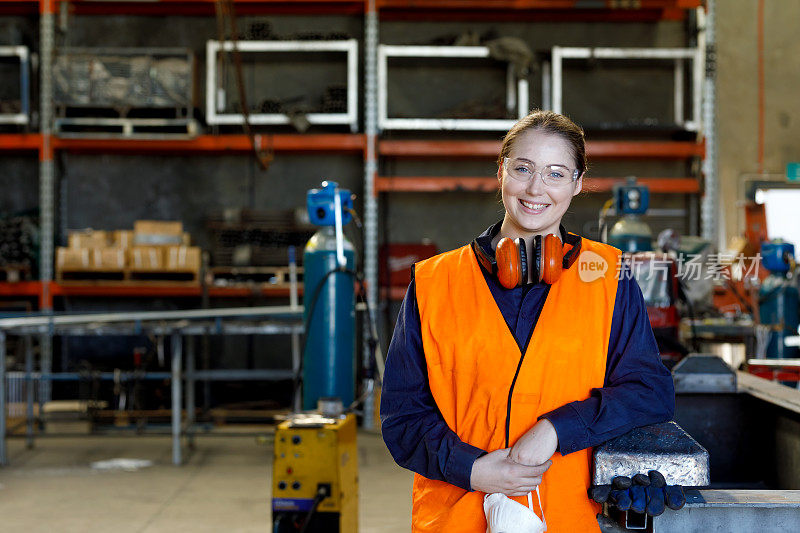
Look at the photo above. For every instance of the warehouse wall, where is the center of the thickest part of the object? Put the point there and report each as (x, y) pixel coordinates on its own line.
(737, 97)
(110, 191)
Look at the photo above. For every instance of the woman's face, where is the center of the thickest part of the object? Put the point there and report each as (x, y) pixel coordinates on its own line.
(533, 208)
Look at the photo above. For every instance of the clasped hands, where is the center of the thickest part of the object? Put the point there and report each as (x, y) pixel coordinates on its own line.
(518, 470)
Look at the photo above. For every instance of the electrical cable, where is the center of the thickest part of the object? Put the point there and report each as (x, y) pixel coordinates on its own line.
(321, 495)
(601, 223)
(223, 7)
(373, 341)
(684, 297)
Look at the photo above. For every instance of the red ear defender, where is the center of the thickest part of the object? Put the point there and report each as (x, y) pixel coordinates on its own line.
(512, 263)
(551, 259)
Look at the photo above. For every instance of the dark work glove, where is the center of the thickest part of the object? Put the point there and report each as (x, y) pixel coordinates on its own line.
(644, 493)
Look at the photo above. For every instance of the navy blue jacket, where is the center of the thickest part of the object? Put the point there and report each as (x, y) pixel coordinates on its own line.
(638, 389)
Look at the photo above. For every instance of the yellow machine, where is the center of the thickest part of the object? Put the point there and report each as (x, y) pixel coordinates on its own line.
(315, 475)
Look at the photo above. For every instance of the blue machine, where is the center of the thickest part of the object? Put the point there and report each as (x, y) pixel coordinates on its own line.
(778, 298)
(630, 233)
(329, 299)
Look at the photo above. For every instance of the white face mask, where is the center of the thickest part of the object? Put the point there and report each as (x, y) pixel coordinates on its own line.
(504, 515)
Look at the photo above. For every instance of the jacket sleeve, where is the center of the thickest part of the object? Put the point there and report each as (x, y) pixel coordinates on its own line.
(412, 425)
(638, 388)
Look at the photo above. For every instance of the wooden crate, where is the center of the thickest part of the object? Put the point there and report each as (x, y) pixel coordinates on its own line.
(90, 264)
(122, 238)
(158, 227)
(158, 232)
(161, 264)
(109, 259)
(146, 259)
(88, 238)
(183, 259)
(73, 258)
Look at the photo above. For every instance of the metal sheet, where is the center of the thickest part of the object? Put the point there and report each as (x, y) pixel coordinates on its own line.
(664, 447)
(703, 373)
(735, 511)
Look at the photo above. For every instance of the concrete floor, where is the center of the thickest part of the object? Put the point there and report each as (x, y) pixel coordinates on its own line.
(224, 486)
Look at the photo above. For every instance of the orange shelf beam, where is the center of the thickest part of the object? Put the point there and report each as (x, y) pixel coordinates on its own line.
(538, 5)
(597, 149)
(644, 149)
(25, 142)
(334, 142)
(20, 288)
(538, 10)
(483, 184)
(219, 144)
(656, 185)
(19, 7)
(206, 7)
(448, 149)
(166, 291)
(435, 184)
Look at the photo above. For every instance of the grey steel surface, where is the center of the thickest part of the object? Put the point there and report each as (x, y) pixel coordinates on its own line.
(703, 373)
(664, 447)
(735, 511)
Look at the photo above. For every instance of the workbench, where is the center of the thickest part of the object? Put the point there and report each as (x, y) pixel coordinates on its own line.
(175, 325)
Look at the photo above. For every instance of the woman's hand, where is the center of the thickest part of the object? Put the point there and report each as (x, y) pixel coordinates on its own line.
(496, 472)
(537, 445)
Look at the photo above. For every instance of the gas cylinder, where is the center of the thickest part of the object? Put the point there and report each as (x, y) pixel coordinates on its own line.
(329, 316)
(778, 298)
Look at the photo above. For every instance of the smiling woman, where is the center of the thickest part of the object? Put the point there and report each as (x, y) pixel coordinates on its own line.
(555, 146)
(508, 363)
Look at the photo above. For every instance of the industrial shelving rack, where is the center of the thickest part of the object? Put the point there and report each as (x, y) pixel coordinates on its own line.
(368, 143)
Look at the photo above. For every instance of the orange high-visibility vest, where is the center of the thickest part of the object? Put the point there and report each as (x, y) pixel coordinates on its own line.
(472, 358)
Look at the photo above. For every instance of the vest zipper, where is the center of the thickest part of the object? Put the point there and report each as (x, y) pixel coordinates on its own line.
(519, 366)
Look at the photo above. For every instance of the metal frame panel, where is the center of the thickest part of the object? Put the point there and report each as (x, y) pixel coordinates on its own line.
(23, 117)
(349, 47)
(514, 99)
(679, 55)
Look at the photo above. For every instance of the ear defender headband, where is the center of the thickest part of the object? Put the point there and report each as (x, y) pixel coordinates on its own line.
(510, 264)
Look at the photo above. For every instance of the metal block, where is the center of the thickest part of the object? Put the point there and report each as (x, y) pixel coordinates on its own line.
(664, 447)
(703, 373)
